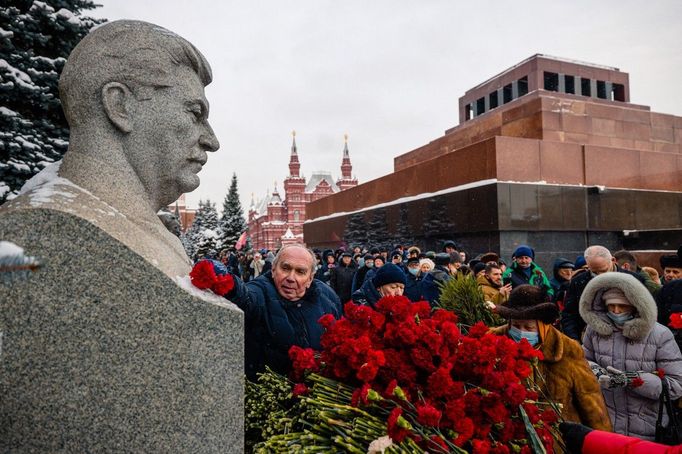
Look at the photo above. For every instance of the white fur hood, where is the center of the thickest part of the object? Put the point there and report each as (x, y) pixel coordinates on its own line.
(593, 310)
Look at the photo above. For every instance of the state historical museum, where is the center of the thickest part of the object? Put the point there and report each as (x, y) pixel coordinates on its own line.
(274, 222)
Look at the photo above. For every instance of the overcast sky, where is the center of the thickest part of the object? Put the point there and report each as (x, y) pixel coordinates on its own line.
(388, 73)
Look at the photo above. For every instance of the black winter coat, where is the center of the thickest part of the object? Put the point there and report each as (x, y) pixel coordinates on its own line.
(571, 323)
(367, 295)
(413, 288)
(341, 280)
(273, 324)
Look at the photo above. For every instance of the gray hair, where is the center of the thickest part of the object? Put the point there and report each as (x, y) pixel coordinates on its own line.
(141, 55)
(598, 251)
(313, 259)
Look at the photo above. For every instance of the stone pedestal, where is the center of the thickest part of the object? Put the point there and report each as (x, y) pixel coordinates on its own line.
(101, 352)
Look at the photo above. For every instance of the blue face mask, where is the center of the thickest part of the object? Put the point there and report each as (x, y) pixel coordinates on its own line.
(414, 271)
(361, 262)
(517, 335)
(620, 319)
(369, 264)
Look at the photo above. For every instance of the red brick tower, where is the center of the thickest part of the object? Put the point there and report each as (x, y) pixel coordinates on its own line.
(294, 188)
(346, 181)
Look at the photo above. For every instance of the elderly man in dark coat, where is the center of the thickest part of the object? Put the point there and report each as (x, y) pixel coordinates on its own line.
(281, 307)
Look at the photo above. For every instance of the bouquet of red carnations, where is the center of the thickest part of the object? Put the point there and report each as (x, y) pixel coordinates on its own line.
(404, 378)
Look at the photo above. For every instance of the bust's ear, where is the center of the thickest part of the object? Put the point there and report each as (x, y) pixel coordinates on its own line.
(116, 98)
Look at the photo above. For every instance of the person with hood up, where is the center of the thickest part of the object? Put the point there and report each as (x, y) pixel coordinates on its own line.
(562, 272)
(389, 280)
(630, 353)
(568, 379)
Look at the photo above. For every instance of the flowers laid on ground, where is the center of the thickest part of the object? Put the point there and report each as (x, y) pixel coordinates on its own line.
(409, 373)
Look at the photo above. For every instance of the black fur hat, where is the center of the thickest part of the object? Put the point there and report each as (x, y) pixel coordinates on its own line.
(528, 302)
(672, 260)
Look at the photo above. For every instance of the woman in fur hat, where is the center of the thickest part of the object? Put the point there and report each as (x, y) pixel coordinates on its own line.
(566, 377)
(630, 353)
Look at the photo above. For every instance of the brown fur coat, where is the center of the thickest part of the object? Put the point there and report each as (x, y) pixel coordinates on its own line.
(569, 381)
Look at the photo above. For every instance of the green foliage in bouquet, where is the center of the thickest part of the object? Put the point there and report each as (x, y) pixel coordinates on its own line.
(462, 296)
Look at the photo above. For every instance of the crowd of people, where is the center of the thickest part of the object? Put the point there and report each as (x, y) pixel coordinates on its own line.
(601, 320)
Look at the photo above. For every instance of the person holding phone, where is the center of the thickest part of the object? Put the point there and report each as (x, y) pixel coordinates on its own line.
(524, 270)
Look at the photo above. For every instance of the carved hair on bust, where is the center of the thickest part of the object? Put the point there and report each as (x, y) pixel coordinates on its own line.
(144, 56)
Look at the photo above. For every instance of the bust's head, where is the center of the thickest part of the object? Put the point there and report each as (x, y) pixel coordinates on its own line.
(140, 87)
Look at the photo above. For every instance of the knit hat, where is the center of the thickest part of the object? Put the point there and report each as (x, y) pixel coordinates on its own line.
(442, 259)
(388, 274)
(615, 296)
(428, 261)
(368, 257)
(480, 266)
(528, 302)
(396, 253)
(524, 250)
(580, 261)
(346, 254)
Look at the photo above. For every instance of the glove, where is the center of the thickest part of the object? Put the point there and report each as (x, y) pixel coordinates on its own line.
(574, 435)
(212, 275)
(597, 370)
(619, 379)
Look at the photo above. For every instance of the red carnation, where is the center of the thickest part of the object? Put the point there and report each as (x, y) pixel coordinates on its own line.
(478, 330)
(326, 321)
(676, 320)
(549, 416)
(360, 396)
(398, 427)
(300, 389)
(465, 429)
(660, 372)
(302, 360)
(636, 382)
(428, 415)
(223, 285)
(481, 446)
(203, 275)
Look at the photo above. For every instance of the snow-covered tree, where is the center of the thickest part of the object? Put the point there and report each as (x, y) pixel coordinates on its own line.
(436, 225)
(377, 229)
(36, 37)
(403, 230)
(202, 236)
(232, 223)
(355, 233)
